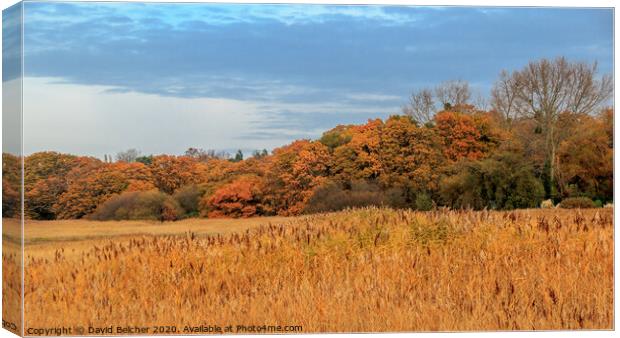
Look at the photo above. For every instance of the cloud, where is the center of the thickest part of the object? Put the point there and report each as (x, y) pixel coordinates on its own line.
(97, 120)
(11, 42)
(11, 116)
(214, 50)
(293, 70)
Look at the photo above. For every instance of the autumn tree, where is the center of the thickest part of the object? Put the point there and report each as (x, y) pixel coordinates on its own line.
(607, 118)
(202, 155)
(503, 98)
(544, 89)
(296, 170)
(411, 156)
(46, 164)
(11, 183)
(40, 199)
(470, 136)
(10, 199)
(129, 155)
(11, 169)
(585, 160)
(173, 172)
(95, 186)
(336, 137)
(239, 198)
(45, 179)
(453, 93)
(358, 158)
(421, 106)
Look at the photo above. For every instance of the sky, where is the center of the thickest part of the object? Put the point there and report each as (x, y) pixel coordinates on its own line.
(100, 78)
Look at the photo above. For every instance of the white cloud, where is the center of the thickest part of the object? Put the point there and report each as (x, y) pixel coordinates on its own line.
(11, 116)
(88, 120)
(372, 97)
(96, 120)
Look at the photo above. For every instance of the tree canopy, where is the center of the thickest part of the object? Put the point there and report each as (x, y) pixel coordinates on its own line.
(548, 134)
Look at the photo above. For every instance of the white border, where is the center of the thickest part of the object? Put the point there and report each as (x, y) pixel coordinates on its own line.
(481, 3)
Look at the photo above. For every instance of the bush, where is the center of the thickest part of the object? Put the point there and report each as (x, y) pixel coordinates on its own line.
(333, 196)
(577, 203)
(504, 181)
(423, 202)
(135, 205)
(188, 198)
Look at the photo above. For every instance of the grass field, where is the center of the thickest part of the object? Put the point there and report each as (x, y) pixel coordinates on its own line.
(43, 238)
(353, 271)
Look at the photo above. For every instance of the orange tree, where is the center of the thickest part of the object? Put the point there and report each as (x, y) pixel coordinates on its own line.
(467, 136)
(93, 187)
(295, 171)
(45, 179)
(11, 183)
(172, 172)
(357, 156)
(411, 156)
(239, 198)
(585, 159)
(42, 165)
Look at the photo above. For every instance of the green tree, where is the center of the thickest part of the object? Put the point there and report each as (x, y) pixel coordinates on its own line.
(503, 181)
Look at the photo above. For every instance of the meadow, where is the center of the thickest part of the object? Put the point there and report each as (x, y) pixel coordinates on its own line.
(361, 270)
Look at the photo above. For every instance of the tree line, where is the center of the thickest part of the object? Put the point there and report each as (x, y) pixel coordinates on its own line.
(546, 135)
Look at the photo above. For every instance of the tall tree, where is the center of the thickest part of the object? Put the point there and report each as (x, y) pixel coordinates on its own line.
(129, 155)
(421, 106)
(453, 93)
(411, 156)
(503, 98)
(544, 89)
(172, 172)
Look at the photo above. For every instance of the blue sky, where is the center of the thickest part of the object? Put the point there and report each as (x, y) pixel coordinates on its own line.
(258, 76)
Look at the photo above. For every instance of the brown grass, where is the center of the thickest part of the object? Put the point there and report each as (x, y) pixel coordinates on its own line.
(363, 270)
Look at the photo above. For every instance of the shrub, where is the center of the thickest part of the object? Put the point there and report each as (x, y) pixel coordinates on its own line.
(577, 203)
(395, 198)
(239, 198)
(148, 205)
(598, 204)
(423, 202)
(504, 181)
(333, 196)
(547, 204)
(188, 197)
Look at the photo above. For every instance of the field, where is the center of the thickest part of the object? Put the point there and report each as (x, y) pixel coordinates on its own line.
(354, 271)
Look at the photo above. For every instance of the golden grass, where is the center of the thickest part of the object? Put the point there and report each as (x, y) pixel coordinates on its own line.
(71, 230)
(11, 285)
(362, 270)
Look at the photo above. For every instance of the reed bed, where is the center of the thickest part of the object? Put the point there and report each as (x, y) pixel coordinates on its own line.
(363, 270)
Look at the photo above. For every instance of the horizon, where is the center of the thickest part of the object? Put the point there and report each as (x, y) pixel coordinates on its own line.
(113, 76)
